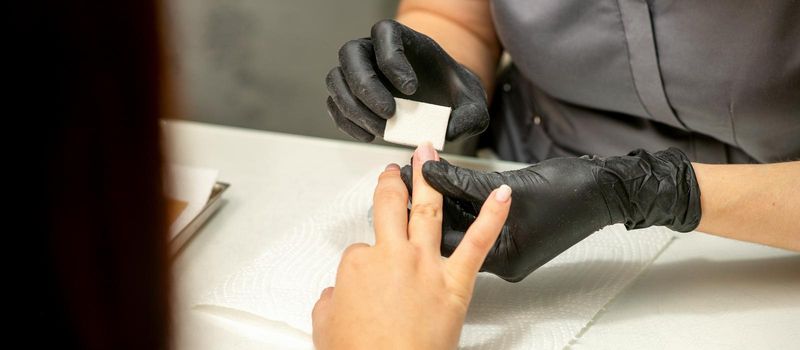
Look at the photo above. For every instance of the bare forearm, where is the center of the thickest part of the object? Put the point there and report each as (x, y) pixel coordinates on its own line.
(464, 28)
(756, 203)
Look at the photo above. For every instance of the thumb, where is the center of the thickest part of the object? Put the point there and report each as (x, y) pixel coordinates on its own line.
(467, 120)
(461, 183)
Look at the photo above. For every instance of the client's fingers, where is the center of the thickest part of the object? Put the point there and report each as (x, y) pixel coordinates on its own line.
(425, 223)
(322, 302)
(390, 207)
(321, 313)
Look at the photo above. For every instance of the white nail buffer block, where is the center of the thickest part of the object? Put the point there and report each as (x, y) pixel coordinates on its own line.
(415, 122)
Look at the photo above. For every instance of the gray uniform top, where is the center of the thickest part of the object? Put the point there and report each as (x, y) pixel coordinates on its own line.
(719, 79)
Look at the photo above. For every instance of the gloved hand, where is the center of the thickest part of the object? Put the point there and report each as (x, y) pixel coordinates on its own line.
(560, 201)
(397, 60)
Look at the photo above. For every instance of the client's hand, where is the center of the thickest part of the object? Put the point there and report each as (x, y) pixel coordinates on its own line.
(401, 293)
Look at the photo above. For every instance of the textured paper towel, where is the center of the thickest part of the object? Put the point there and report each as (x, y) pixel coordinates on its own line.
(544, 311)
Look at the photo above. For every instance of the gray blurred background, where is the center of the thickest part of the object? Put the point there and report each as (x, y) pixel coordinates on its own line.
(262, 63)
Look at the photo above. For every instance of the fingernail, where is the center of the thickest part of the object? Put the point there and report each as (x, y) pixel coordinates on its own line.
(503, 194)
(424, 153)
(392, 166)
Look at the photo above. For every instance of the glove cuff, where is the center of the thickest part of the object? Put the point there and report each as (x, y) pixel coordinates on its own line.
(687, 211)
(651, 189)
(669, 195)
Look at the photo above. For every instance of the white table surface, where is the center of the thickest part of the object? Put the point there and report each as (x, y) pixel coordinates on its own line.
(701, 292)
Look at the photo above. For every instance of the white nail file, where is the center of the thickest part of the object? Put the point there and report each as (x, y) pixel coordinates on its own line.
(416, 122)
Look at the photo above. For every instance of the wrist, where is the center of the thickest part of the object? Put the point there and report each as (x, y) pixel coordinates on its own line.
(751, 202)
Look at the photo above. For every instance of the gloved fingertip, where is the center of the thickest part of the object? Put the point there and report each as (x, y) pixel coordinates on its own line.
(409, 86)
(406, 174)
(385, 108)
(383, 26)
(438, 175)
(467, 120)
(455, 132)
(378, 100)
(435, 168)
(406, 170)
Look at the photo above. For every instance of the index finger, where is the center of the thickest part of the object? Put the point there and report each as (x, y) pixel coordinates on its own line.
(425, 224)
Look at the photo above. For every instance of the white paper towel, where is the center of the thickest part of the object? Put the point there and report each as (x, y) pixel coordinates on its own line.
(544, 311)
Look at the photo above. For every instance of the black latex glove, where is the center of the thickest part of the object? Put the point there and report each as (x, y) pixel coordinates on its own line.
(560, 201)
(399, 61)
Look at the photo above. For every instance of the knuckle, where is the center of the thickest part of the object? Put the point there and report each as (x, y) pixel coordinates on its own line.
(426, 211)
(405, 253)
(317, 308)
(478, 242)
(354, 255)
(414, 253)
(352, 250)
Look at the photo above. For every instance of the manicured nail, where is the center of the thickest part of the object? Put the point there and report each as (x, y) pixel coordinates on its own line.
(392, 166)
(503, 194)
(424, 153)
